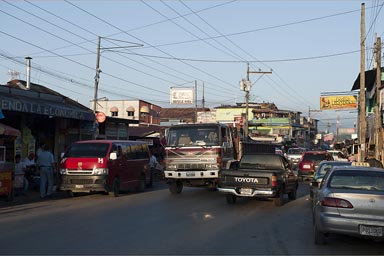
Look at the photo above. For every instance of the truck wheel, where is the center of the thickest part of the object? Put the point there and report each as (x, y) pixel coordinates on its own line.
(115, 188)
(319, 237)
(70, 193)
(176, 187)
(279, 200)
(293, 194)
(231, 199)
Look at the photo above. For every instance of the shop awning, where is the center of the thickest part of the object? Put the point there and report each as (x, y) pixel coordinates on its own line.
(8, 130)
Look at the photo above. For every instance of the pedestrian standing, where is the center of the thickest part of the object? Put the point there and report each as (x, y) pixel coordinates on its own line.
(20, 174)
(373, 162)
(29, 167)
(46, 165)
(152, 165)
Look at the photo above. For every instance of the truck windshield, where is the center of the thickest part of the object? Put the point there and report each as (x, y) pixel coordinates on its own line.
(193, 136)
(294, 151)
(87, 150)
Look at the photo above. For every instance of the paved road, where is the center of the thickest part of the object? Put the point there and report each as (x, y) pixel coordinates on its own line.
(198, 221)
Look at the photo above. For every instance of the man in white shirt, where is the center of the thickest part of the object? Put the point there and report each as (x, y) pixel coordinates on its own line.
(29, 167)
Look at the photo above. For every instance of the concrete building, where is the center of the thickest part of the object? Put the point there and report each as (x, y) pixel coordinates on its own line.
(142, 111)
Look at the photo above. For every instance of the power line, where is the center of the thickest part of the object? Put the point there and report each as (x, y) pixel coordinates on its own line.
(262, 29)
(120, 55)
(244, 61)
(106, 22)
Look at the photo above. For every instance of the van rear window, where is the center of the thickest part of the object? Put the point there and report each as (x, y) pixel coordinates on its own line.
(87, 150)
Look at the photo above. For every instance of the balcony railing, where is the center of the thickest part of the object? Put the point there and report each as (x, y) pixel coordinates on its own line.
(272, 121)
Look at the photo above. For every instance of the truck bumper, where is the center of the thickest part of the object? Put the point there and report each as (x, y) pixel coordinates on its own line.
(201, 174)
(253, 193)
(90, 183)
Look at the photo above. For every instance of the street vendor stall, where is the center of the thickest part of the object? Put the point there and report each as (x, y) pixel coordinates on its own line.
(8, 135)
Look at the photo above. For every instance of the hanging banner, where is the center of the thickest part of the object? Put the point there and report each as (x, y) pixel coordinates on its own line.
(182, 95)
(338, 102)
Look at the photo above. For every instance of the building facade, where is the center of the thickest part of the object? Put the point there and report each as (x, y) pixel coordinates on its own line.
(43, 116)
(143, 112)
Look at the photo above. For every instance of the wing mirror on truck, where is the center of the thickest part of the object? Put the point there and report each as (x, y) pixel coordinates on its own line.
(113, 156)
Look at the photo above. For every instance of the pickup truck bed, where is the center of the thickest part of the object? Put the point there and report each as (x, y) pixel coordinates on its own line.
(259, 175)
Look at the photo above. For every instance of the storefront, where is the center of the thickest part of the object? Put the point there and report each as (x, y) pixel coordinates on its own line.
(8, 135)
(43, 116)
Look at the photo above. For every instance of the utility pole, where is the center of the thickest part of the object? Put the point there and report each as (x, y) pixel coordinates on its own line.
(379, 130)
(98, 70)
(97, 76)
(195, 101)
(362, 111)
(247, 98)
(203, 100)
(310, 121)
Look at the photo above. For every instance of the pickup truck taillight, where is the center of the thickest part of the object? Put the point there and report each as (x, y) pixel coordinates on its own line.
(274, 181)
(306, 166)
(219, 161)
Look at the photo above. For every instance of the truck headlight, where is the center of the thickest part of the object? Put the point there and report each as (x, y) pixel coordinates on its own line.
(63, 171)
(172, 166)
(100, 171)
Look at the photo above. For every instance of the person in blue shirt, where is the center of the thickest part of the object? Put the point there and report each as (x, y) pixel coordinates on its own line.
(46, 166)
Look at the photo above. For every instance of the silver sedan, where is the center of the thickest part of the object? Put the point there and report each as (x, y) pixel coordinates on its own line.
(324, 167)
(350, 201)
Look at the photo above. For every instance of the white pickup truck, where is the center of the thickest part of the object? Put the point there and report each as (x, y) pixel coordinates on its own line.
(294, 155)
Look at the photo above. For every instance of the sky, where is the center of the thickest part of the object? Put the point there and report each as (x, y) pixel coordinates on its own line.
(148, 47)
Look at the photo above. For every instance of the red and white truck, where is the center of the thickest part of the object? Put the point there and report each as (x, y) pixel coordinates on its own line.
(196, 153)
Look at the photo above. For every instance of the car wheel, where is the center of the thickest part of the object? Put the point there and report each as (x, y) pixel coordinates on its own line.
(231, 199)
(115, 188)
(176, 187)
(279, 200)
(318, 236)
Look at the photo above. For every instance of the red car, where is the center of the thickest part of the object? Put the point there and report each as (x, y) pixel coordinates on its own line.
(309, 163)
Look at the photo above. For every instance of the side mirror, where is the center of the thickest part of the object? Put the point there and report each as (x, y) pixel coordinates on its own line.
(314, 184)
(113, 156)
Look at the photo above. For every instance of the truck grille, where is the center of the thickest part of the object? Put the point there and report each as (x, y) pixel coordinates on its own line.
(79, 172)
(82, 181)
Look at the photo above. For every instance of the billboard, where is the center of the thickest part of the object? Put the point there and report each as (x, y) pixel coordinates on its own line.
(206, 117)
(338, 102)
(182, 95)
(347, 131)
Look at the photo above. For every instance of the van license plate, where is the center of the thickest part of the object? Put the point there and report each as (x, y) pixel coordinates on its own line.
(371, 231)
(190, 174)
(79, 186)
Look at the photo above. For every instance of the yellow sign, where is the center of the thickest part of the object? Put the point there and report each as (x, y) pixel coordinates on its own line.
(360, 164)
(338, 102)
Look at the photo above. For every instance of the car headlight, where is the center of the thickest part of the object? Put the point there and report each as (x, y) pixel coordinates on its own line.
(63, 171)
